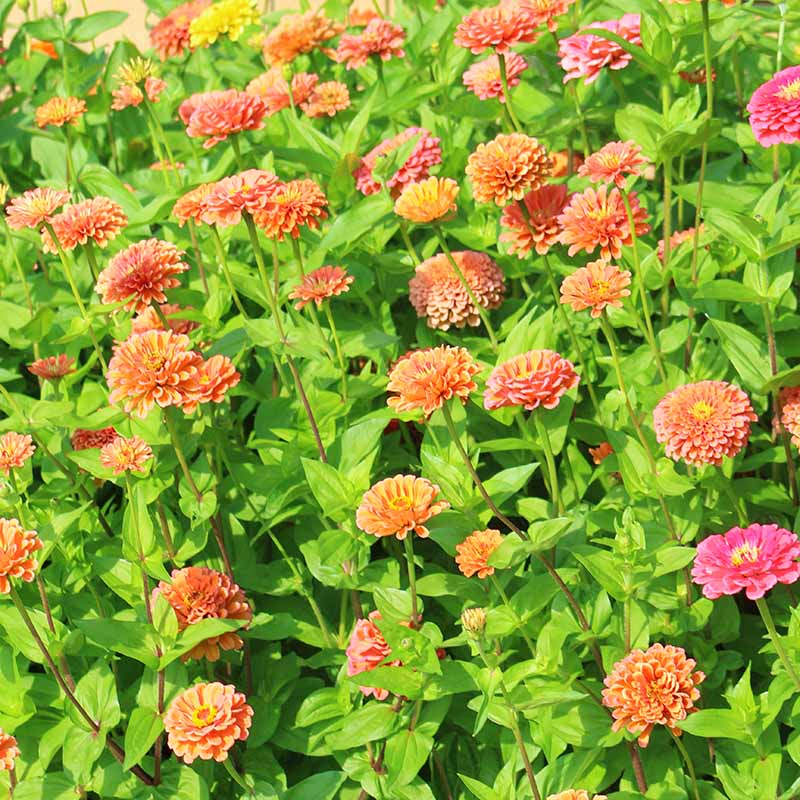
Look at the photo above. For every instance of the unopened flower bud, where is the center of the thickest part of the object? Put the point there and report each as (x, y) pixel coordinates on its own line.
(473, 620)
(3, 193)
(59, 7)
(22, 5)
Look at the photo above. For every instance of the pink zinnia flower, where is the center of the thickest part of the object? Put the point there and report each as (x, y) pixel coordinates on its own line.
(500, 27)
(15, 450)
(483, 77)
(543, 12)
(34, 207)
(126, 455)
(368, 650)
(53, 367)
(584, 55)
(248, 191)
(98, 218)
(544, 205)
(775, 108)
(533, 379)
(380, 38)
(612, 163)
(218, 115)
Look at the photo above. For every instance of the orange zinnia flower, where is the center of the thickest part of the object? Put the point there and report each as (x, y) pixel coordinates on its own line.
(426, 379)
(34, 207)
(149, 320)
(170, 35)
(198, 593)
(60, 111)
(500, 27)
(612, 163)
(575, 794)
(276, 92)
(125, 455)
(53, 367)
(291, 206)
(380, 38)
(327, 100)
(140, 274)
(321, 284)
(544, 205)
(206, 720)
(219, 115)
(215, 377)
(560, 160)
(192, 204)
(248, 191)
(657, 686)
(597, 285)
(436, 292)
(9, 752)
(543, 12)
(427, 200)
(296, 34)
(15, 450)
(474, 551)
(789, 404)
(395, 506)
(484, 80)
(17, 547)
(83, 439)
(703, 422)
(677, 239)
(601, 452)
(533, 379)
(129, 94)
(361, 12)
(99, 219)
(507, 168)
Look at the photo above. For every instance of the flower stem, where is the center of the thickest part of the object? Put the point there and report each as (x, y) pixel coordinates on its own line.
(223, 262)
(237, 150)
(501, 60)
(237, 777)
(587, 147)
(544, 438)
(338, 346)
(507, 603)
(688, 761)
(769, 623)
(409, 244)
(412, 579)
(91, 257)
(18, 267)
(666, 102)
(312, 307)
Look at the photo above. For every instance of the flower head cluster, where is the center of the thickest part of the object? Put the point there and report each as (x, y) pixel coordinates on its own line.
(60, 111)
(380, 38)
(224, 18)
(595, 286)
(533, 379)
(170, 35)
(15, 450)
(472, 555)
(483, 78)
(219, 115)
(149, 320)
(540, 228)
(191, 206)
(9, 752)
(53, 367)
(320, 285)
(17, 547)
(612, 163)
(585, 55)
(99, 219)
(125, 454)
(775, 108)
(296, 34)
(34, 207)
(499, 27)
(427, 200)
(290, 206)
(368, 650)
(84, 439)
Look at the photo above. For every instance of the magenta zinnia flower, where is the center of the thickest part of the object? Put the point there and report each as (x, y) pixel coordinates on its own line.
(775, 108)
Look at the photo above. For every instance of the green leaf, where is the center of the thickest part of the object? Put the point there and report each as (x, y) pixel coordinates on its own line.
(97, 693)
(322, 786)
(133, 639)
(142, 730)
(648, 63)
(747, 353)
(371, 722)
(86, 28)
(714, 723)
(199, 632)
(406, 753)
(333, 492)
(742, 230)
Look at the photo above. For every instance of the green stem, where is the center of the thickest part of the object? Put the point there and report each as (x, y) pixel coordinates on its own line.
(501, 59)
(237, 777)
(412, 578)
(237, 151)
(688, 761)
(766, 615)
(587, 147)
(338, 346)
(408, 243)
(707, 58)
(18, 267)
(223, 262)
(72, 177)
(666, 102)
(544, 439)
(626, 623)
(312, 307)
(91, 258)
(507, 603)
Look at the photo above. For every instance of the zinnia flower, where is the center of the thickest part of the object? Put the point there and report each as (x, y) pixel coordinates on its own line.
(543, 12)
(500, 27)
(677, 238)
(395, 506)
(585, 55)
(15, 450)
(99, 219)
(789, 420)
(507, 168)
(83, 439)
(473, 553)
(53, 367)
(426, 379)
(755, 559)
(129, 94)
(198, 593)
(561, 165)
(248, 191)
(601, 452)
(361, 12)
(653, 687)
(125, 455)
(34, 207)
(206, 720)
(149, 320)
(696, 76)
(428, 200)
(598, 218)
(9, 752)
(276, 92)
(327, 100)
(219, 115)
(436, 292)
(575, 794)
(612, 163)
(483, 77)
(775, 108)
(291, 206)
(532, 379)
(321, 284)
(60, 111)
(543, 228)
(368, 650)
(380, 38)
(192, 204)
(215, 377)
(702, 422)
(170, 35)
(224, 18)
(17, 547)
(597, 285)
(296, 34)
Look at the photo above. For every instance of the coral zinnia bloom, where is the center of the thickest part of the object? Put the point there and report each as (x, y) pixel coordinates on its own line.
(601, 452)
(544, 205)
(141, 273)
(276, 92)
(361, 12)
(83, 439)
(291, 206)
(296, 34)
(426, 153)
(192, 204)
(9, 752)
(575, 794)
(207, 720)
(327, 100)
(219, 115)
(598, 218)
(17, 547)
(224, 18)
(380, 38)
(677, 238)
(597, 285)
(248, 191)
(53, 367)
(60, 111)
(215, 377)
(702, 422)
(653, 687)
(321, 284)
(34, 207)
(474, 551)
(198, 593)
(612, 163)
(15, 450)
(426, 379)
(126, 455)
(99, 219)
(483, 77)
(427, 200)
(149, 320)
(129, 94)
(368, 650)
(775, 108)
(789, 403)
(755, 559)
(500, 27)
(543, 12)
(436, 292)
(532, 379)
(395, 506)
(585, 55)
(170, 35)
(507, 168)
(561, 165)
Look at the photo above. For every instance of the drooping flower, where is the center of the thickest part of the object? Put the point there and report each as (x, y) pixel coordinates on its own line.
(17, 547)
(425, 380)
(319, 285)
(596, 286)
(483, 77)
(192, 205)
(149, 320)
(99, 219)
(473, 553)
(427, 200)
(380, 38)
(198, 593)
(703, 422)
(755, 559)
(226, 200)
(9, 752)
(223, 18)
(60, 111)
(507, 168)
(291, 206)
(327, 100)
(219, 115)
(34, 207)
(206, 720)
(533, 379)
(613, 162)
(296, 34)
(657, 686)
(575, 794)
(368, 650)
(543, 12)
(396, 506)
(126, 454)
(543, 228)
(436, 292)
(696, 76)
(585, 55)
(15, 450)
(53, 367)
(775, 108)
(677, 238)
(601, 452)
(499, 27)
(170, 35)
(598, 218)
(215, 377)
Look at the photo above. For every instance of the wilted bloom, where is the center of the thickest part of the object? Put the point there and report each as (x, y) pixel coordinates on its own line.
(34, 207)
(585, 55)
(327, 100)
(601, 452)
(296, 34)
(198, 593)
(368, 650)
(206, 720)
(500, 27)
(170, 35)
(598, 218)
(215, 377)
(507, 168)
(483, 77)
(755, 559)
(126, 454)
(702, 422)
(226, 200)
(533, 379)
(17, 547)
(224, 18)
(473, 621)
(542, 228)
(291, 206)
(218, 115)
(543, 12)
(99, 219)
(653, 687)
(395, 506)
(83, 439)
(321, 284)
(426, 379)
(612, 163)
(131, 95)
(473, 553)
(775, 108)
(696, 76)
(428, 200)
(60, 111)
(15, 450)
(575, 794)
(149, 320)
(677, 238)
(436, 292)
(9, 752)
(53, 367)
(595, 286)
(561, 163)
(380, 38)
(192, 204)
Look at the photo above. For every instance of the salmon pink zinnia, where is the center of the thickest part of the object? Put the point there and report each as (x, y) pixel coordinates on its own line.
(612, 163)
(60, 111)
(34, 207)
(15, 450)
(321, 284)
(99, 219)
(543, 12)
(596, 286)
(215, 377)
(226, 200)
(533, 379)
(191, 206)
(585, 55)
(296, 34)
(575, 794)
(170, 35)
(125, 454)
(368, 650)
(17, 547)
(9, 752)
(219, 115)
(484, 80)
(53, 367)
(775, 108)
(473, 553)
(789, 403)
(380, 38)
(149, 320)
(326, 100)
(499, 27)
(540, 229)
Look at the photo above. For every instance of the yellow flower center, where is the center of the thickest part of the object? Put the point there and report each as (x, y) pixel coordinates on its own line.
(702, 411)
(204, 715)
(153, 361)
(402, 503)
(600, 288)
(745, 552)
(791, 91)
